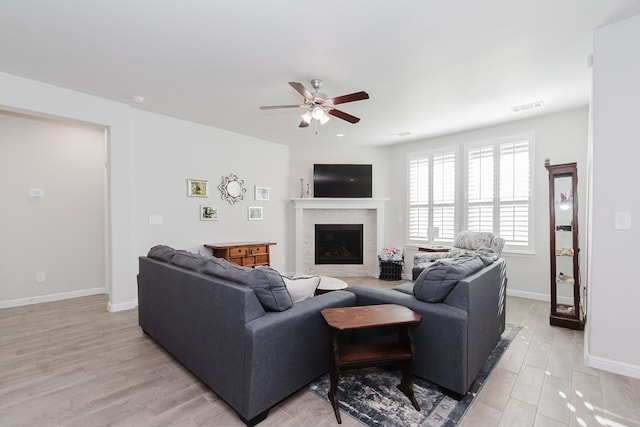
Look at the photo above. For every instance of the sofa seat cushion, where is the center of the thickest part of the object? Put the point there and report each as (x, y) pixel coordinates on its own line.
(437, 280)
(301, 287)
(406, 288)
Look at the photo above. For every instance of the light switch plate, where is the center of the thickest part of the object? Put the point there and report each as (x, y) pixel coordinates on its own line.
(623, 220)
(155, 219)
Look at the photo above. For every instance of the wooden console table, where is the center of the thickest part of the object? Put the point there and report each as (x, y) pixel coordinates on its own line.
(248, 254)
(371, 316)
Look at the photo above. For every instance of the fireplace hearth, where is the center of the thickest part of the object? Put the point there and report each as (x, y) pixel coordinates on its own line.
(338, 244)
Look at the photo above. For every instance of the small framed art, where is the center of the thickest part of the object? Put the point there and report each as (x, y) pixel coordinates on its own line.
(262, 193)
(208, 213)
(197, 188)
(255, 213)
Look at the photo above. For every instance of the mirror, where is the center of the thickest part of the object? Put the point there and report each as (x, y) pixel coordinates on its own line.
(232, 188)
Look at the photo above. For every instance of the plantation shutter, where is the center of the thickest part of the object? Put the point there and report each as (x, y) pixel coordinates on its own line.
(444, 194)
(418, 198)
(515, 188)
(480, 193)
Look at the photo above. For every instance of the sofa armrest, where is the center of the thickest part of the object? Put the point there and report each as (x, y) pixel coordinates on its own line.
(287, 350)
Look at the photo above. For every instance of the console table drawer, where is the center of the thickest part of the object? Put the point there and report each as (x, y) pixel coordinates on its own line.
(237, 252)
(248, 254)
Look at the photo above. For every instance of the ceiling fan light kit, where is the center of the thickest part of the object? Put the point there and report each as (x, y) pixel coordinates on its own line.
(319, 107)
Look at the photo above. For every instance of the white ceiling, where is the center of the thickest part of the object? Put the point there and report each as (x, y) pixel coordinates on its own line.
(430, 67)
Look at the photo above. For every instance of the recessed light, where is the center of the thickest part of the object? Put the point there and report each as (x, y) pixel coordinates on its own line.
(340, 135)
(401, 134)
(138, 99)
(529, 106)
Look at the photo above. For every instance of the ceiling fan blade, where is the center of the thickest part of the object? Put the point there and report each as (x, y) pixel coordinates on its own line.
(356, 96)
(344, 116)
(299, 87)
(273, 107)
(303, 124)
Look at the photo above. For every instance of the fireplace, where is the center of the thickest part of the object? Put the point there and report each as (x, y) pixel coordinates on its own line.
(338, 244)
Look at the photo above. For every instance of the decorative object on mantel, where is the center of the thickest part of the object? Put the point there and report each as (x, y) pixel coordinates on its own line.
(208, 213)
(301, 188)
(261, 193)
(232, 188)
(255, 213)
(197, 188)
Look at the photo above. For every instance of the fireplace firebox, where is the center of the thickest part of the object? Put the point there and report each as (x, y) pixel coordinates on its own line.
(338, 244)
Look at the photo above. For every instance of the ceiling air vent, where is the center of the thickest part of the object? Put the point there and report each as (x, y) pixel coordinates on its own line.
(529, 106)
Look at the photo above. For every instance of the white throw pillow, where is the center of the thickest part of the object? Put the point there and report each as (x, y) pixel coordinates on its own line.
(301, 287)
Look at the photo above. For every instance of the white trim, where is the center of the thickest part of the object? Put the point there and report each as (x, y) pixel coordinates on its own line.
(51, 297)
(537, 296)
(335, 203)
(122, 306)
(614, 366)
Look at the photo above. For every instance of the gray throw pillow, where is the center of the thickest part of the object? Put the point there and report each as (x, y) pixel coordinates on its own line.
(438, 280)
(161, 253)
(270, 289)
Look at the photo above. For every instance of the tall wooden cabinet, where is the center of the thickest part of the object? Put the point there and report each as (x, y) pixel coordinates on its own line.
(566, 306)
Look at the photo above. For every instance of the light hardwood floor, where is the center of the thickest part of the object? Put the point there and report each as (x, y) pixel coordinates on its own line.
(73, 363)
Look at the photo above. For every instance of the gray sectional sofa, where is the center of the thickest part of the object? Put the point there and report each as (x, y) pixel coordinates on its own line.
(234, 327)
(461, 323)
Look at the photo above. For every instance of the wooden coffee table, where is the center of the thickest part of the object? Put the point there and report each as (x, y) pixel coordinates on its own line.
(347, 356)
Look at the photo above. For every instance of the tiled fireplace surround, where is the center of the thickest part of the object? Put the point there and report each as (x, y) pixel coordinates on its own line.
(312, 211)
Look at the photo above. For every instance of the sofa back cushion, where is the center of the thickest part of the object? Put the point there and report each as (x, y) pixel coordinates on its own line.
(188, 260)
(266, 282)
(437, 280)
(161, 253)
(270, 289)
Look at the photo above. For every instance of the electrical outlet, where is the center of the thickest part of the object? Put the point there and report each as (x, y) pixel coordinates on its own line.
(40, 277)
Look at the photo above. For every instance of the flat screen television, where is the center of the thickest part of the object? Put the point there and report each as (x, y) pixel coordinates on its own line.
(342, 180)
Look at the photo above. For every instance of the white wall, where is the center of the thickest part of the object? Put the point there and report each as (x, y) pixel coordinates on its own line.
(613, 316)
(61, 234)
(167, 152)
(560, 137)
(18, 94)
(133, 147)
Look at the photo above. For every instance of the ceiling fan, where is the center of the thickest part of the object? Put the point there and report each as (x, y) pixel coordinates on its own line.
(318, 106)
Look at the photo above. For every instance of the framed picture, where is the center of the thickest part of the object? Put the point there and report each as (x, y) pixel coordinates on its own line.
(255, 213)
(197, 188)
(262, 193)
(208, 213)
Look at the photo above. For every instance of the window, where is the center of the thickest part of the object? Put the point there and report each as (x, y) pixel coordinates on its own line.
(432, 191)
(496, 195)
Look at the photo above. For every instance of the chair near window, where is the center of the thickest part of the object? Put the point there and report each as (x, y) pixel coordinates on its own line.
(465, 241)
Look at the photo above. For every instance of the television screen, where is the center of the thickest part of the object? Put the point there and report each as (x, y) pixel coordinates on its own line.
(342, 180)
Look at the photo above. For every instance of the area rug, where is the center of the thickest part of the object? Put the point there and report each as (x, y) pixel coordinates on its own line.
(371, 396)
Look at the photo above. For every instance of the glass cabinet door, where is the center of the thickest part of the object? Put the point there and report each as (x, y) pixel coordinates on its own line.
(566, 309)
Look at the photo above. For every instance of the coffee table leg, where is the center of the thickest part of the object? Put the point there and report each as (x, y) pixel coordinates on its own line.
(334, 374)
(406, 385)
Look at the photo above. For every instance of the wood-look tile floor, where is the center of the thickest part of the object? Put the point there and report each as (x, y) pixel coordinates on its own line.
(73, 363)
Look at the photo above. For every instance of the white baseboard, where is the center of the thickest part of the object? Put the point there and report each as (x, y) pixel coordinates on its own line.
(613, 366)
(52, 297)
(122, 306)
(536, 296)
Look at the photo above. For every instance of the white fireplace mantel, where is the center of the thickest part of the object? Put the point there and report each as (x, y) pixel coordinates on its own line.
(335, 203)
